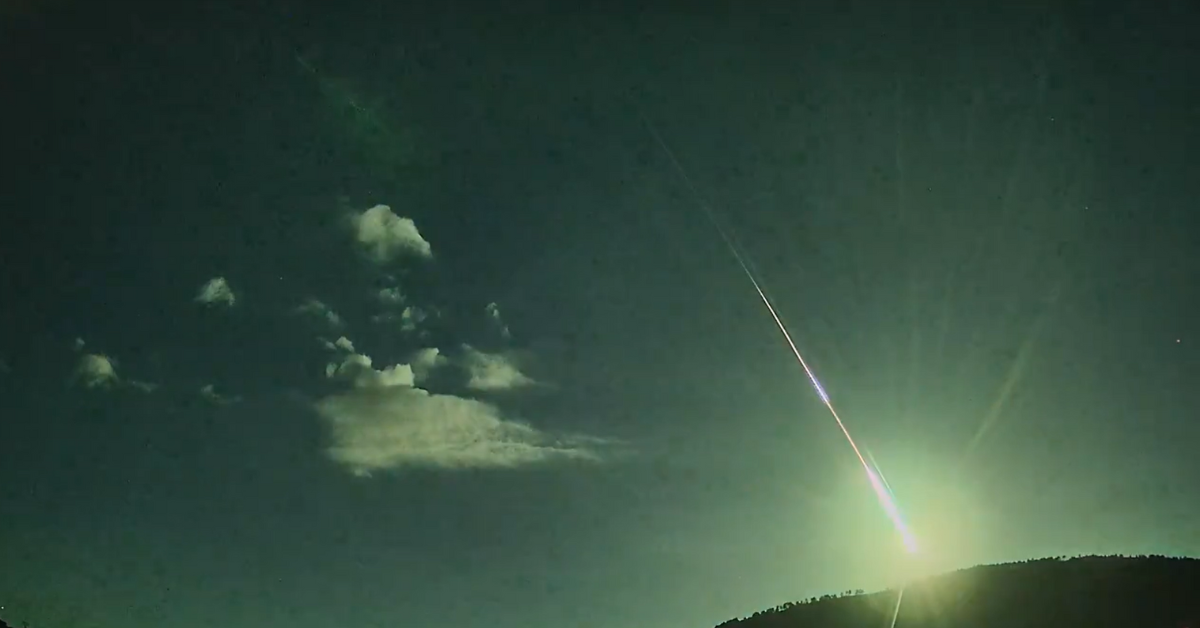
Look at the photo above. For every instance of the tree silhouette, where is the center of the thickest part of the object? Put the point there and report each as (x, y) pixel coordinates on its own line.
(1092, 591)
(1095, 591)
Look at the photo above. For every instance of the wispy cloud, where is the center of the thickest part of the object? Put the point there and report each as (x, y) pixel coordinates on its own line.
(493, 312)
(492, 371)
(318, 309)
(385, 236)
(383, 421)
(139, 385)
(388, 428)
(216, 292)
(209, 393)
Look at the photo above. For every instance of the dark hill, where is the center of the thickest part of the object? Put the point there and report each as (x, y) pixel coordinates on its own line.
(1094, 591)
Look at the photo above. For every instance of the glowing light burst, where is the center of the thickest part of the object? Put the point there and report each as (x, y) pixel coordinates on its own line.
(886, 500)
(882, 491)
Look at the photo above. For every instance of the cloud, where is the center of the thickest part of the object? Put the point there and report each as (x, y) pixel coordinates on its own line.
(410, 318)
(357, 368)
(341, 344)
(96, 370)
(314, 307)
(382, 428)
(493, 312)
(216, 292)
(146, 387)
(492, 371)
(390, 296)
(209, 393)
(384, 421)
(384, 235)
(424, 361)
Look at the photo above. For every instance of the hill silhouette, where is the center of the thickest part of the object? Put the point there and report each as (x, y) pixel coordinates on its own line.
(1092, 591)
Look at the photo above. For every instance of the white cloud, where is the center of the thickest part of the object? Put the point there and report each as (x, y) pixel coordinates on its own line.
(385, 422)
(314, 307)
(384, 235)
(357, 368)
(411, 317)
(394, 375)
(424, 361)
(492, 371)
(493, 312)
(96, 370)
(341, 344)
(390, 296)
(216, 292)
(348, 366)
(391, 427)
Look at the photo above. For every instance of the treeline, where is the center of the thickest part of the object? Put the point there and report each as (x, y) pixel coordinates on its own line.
(1092, 591)
(1145, 591)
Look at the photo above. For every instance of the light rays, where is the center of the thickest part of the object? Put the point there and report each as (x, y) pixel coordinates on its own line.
(882, 492)
(896, 611)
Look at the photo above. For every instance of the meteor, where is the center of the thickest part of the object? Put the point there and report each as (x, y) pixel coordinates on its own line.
(882, 492)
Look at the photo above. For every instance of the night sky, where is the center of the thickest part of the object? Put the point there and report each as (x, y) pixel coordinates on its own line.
(366, 314)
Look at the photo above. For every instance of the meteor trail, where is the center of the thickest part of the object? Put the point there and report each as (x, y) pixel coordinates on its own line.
(881, 491)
